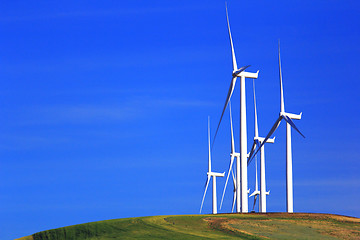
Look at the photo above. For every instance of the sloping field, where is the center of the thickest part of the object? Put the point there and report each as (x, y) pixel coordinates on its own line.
(221, 226)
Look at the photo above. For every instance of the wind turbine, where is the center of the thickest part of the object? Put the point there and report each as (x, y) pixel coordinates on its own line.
(257, 142)
(209, 175)
(233, 155)
(289, 123)
(241, 163)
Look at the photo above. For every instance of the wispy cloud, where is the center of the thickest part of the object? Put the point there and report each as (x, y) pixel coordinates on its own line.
(137, 108)
(123, 61)
(16, 142)
(82, 113)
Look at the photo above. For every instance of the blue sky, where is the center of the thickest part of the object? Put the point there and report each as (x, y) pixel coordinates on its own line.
(104, 106)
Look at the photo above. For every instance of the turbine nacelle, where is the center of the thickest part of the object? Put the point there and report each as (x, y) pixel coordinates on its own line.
(241, 73)
(258, 143)
(291, 115)
(261, 139)
(255, 193)
(215, 174)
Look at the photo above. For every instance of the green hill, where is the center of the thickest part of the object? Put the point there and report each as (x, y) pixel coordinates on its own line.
(221, 226)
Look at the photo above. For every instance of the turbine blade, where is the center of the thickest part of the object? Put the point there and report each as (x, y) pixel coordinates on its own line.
(235, 73)
(254, 202)
(256, 122)
(257, 143)
(253, 147)
(231, 89)
(206, 187)
(282, 104)
(272, 130)
(232, 131)
(231, 42)
(287, 119)
(233, 177)
(234, 196)
(227, 179)
(209, 143)
(234, 200)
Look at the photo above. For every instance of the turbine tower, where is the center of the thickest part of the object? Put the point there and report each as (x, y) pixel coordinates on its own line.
(209, 175)
(289, 123)
(257, 142)
(233, 155)
(241, 163)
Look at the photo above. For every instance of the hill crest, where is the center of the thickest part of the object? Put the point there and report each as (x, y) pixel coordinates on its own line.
(220, 226)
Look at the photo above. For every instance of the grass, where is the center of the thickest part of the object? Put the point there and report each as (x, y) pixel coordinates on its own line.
(221, 226)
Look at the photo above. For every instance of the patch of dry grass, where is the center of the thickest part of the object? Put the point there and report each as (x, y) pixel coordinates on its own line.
(293, 226)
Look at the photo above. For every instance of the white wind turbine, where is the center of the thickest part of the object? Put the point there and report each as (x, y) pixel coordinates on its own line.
(257, 142)
(233, 155)
(289, 123)
(209, 175)
(241, 163)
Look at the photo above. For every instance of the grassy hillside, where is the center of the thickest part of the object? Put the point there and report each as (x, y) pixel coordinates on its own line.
(221, 226)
